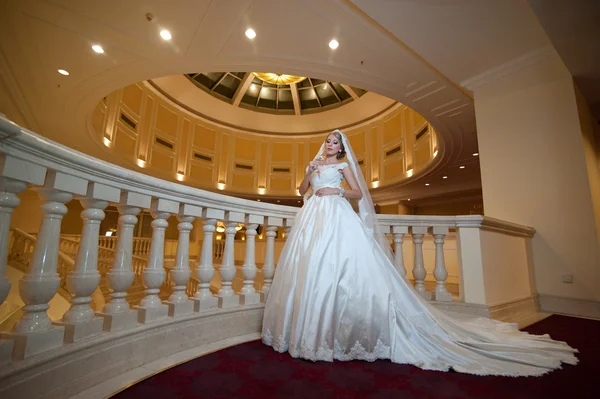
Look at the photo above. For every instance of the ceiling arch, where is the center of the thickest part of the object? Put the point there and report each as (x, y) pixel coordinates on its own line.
(63, 31)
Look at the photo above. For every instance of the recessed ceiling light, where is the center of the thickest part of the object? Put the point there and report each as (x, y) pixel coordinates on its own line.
(258, 200)
(427, 184)
(462, 166)
(250, 33)
(63, 72)
(334, 44)
(98, 48)
(409, 199)
(475, 154)
(165, 34)
(444, 177)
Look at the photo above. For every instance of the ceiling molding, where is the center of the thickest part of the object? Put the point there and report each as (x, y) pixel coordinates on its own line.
(241, 89)
(508, 68)
(295, 99)
(350, 91)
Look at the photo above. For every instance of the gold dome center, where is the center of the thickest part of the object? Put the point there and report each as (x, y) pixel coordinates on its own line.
(278, 78)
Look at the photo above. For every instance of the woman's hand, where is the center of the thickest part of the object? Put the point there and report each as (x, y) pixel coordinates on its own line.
(313, 166)
(327, 191)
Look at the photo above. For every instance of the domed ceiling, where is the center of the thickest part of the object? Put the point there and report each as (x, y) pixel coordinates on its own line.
(275, 93)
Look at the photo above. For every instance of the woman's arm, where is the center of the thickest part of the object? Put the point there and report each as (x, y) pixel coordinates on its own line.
(353, 193)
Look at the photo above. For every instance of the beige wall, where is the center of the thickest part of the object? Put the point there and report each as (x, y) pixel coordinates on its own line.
(534, 172)
(506, 268)
(588, 127)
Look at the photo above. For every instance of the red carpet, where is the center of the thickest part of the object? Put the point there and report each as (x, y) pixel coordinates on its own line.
(253, 370)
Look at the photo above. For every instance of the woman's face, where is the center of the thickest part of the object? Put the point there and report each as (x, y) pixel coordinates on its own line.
(332, 145)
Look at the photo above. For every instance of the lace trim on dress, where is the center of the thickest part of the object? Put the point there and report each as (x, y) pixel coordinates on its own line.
(325, 353)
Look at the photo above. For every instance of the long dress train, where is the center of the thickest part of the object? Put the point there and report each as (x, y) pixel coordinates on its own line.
(336, 295)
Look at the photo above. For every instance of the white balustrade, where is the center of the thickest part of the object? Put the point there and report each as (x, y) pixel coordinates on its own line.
(419, 271)
(179, 303)
(9, 200)
(205, 271)
(227, 297)
(79, 320)
(289, 224)
(399, 232)
(272, 223)
(248, 294)
(440, 273)
(151, 308)
(116, 313)
(34, 332)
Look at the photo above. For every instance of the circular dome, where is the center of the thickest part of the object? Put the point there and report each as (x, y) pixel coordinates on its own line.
(275, 93)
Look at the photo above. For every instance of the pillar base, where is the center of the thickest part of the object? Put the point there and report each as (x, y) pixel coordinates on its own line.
(177, 309)
(28, 345)
(148, 315)
(263, 296)
(119, 321)
(75, 332)
(251, 298)
(226, 302)
(424, 294)
(6, 351)
(205, 304)
(442, 296)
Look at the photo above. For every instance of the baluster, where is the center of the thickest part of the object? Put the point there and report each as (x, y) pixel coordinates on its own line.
(248, 294)
(399, 232)
(419, 269)
(227, 297)
(116, 313)
(9, 200)
(79, 320)
(34, 332)
(289, 223)
(205, 271)
(179, 303)
(269, 266)
(440, 273)
(151, 307)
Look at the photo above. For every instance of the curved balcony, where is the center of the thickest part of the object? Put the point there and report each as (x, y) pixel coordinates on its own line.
(211, 301)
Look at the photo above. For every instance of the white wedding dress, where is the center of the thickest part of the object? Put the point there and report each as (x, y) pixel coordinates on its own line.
(336, 295)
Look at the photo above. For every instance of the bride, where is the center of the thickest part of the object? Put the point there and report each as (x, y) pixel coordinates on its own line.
(336, 294)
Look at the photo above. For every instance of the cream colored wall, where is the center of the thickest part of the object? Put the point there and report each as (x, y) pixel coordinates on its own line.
(505, 267)
(534, 173)
(588, 126)
(244, 162)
